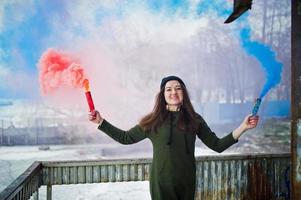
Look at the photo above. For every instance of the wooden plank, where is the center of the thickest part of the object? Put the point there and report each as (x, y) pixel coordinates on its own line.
(206, 180)
(51, 175)
(54, 176)
(227, 178)
(244, 179)
(18, 196)
(49, 192)
(25, 191)
(277, 176)
(233, 179)
(30, 190)
(96, 174)
(218, 175)
(73, 163)
(81, 174)
(73, 175)
(89, 174)
(146, 171)
(65, 175)
(148, 161)
(31, 186)
(45, 172)
(104, 174)
(112, 173)
(119, 173)
(141, 172)
(133, 173)
(59, 176)
(126, 172)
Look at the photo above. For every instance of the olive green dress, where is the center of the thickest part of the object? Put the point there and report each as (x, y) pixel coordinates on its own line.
(173, 171)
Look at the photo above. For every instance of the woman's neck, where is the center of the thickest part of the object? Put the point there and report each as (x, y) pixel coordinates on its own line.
(173, 108)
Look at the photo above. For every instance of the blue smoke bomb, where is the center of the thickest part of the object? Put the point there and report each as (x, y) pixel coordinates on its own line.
(256, 106)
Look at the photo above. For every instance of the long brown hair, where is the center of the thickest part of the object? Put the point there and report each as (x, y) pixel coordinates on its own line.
(187, 119)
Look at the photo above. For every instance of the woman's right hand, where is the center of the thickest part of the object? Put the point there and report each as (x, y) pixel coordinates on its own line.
(95, 117)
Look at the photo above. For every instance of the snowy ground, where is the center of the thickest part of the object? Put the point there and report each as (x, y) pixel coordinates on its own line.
(103, 191)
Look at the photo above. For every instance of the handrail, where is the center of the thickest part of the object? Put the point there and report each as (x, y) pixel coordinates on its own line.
(70, 163)
(65, 163)
(25, 185)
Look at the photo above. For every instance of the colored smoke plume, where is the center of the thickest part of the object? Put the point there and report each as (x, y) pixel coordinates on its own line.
(266, 57)
(58, 69)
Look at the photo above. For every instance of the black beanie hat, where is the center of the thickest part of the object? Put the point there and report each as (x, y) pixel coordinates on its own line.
(170, 78)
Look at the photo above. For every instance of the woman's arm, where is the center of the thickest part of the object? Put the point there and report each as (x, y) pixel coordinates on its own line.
(211, 140)
(131, 136)
(221, 144)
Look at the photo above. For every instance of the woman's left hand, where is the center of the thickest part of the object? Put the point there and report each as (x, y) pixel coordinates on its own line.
(250, 122)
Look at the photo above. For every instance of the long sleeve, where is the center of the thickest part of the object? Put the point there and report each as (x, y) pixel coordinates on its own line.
(211, 140)
(131, 136)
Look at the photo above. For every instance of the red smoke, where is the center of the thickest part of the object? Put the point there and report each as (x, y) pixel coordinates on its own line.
(59, 69)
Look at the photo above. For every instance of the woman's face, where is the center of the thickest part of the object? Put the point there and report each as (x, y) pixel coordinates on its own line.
(173, 93)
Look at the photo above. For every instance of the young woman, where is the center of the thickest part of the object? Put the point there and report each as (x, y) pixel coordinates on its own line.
(172, 127)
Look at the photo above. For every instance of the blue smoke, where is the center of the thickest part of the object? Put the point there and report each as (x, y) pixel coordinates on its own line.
(260, 51)
(220, 7)
(266, 57)
(170, 7)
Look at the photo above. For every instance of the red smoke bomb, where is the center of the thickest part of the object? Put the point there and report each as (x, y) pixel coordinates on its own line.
(88, 95)
(90, 101)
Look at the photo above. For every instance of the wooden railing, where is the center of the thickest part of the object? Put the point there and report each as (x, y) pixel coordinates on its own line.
(256, 176)
(26, 185)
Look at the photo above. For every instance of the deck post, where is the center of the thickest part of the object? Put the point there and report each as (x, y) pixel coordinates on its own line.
(296, 100)
(49, 192)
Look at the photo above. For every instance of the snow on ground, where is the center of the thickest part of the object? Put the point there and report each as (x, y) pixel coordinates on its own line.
(104, 191)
